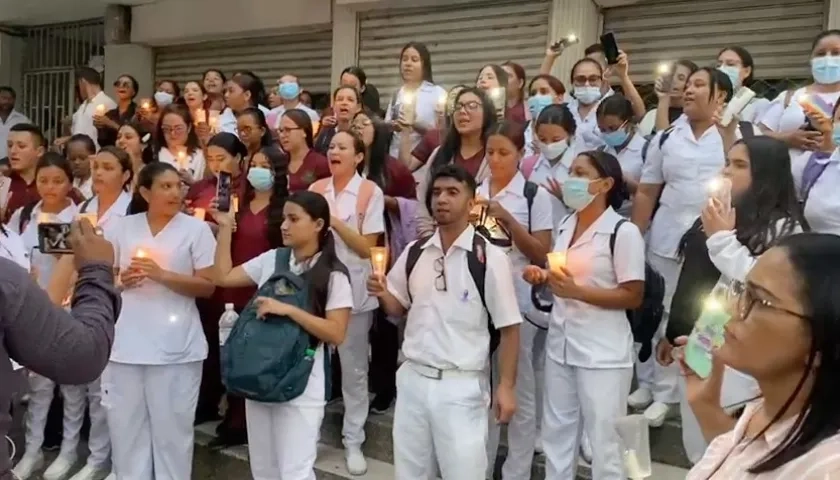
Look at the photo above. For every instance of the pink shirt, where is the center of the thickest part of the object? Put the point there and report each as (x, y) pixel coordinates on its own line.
(730, 455)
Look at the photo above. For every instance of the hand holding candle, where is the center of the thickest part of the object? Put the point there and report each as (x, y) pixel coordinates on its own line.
(182, 160)
(407, 107)
(556, 261)
(91, 217)
(379, 259)
(199, 116)
(234, 204)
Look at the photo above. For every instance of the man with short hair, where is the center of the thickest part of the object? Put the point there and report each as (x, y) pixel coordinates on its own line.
(25, 144)
(94, 102)
(288, 89)
(9, 117)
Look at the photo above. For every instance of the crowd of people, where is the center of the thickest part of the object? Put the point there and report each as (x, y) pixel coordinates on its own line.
(482, 196)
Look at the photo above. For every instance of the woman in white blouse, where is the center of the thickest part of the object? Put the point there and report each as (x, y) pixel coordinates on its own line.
(283, 437)
(150, 387)
(622, 139)
(179, 145)
(737, 63)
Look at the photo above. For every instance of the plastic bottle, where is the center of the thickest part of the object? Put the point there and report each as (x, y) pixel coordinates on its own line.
(226, 323)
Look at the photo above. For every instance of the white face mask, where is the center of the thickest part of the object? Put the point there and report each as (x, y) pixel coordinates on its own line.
(554, 150)
(163, 99)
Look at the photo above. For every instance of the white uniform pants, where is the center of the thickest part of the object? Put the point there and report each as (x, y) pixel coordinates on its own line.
(737, 388)
(440, 419)
(659, 379)
(75, 397)
(151, 410)
(354, 354)
(600, 395)
(282, 440)
(522, 430)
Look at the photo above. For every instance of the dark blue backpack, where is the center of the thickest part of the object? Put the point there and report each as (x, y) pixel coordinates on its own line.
(270, 360)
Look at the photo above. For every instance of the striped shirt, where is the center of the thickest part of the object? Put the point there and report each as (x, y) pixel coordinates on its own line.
(730, 455)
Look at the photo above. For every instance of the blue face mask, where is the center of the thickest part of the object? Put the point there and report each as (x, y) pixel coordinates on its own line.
(826, 70)
(616, 138)
(289, 90)
(576, 193)
(537, 103)
(260, 178)
(734, 74)
(587, 95)
(835, 135)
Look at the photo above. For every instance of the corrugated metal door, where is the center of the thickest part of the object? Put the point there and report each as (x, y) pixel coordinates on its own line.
(778, 33)
(461, 39)
(306, 55)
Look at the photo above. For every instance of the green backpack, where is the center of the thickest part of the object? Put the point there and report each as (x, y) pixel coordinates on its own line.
(269, 360)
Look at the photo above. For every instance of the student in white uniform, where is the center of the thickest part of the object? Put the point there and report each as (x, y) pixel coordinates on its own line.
(80, 150)
(150, 387)
(589, 370)
(525, 235)
(621, 137)
(443, 390)
(544, 90)
(675, 176)
(418, 93)
(283, 437)
(670, 104)
(766, 210)
(816, 181)
(93, 100)
(587, 79)
(244, 90)
(737, 63)
(179, 145)
(54, 180)
(357, 207)
(288, 88)
(12, 248)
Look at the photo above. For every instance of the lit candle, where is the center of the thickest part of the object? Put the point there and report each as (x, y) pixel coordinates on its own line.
(199, 213)
(407, 108)
(100, 109)
(316, 125)
(379, 259)
(234, 204)
(556, 260)
(571, 39)
(200, 116)
(441, 103)
(93, 218)
(182, 160)
(140, 253)
(146, 105)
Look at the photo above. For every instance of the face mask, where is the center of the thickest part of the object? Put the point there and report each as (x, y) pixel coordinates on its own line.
(826, 70)
(289, 90)
(587, 95)
(616, 138)
(260, 178)
(163, 99)
(734, 74)
(554, 150)
(537, 103)
(835, 135)
(576, 193)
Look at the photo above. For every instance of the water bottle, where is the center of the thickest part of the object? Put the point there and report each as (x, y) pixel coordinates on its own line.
(226, 323)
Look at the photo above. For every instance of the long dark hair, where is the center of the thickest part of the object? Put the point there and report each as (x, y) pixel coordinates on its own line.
(145, 179)
(377, 155)
(318, 277)
(815, 257)
(280, 192)
(425, 59)
(182, 111)
(147, 154)
(770, 199)
(233, 146)
(303, 122)
(607, 166)
(124, 160)
(452, 143)
(250, 82)
(258, 116)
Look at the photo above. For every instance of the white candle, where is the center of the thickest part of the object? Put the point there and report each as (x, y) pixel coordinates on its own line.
(556, 260)
(234, 204)
(140, 253)
(199, 213)
(100, 109)
(200, 116)
(182, 160)
(379, 259)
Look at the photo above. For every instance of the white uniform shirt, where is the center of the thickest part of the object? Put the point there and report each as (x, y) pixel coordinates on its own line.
(227, 120)
(543, 170)
(683, 166)
(85, 187)
(822, 210)
(158, 326)
(426, 99)
(339, 296)
(587, 132)
(631, 161)
(779, 118)
(44, 264)
(14, 118)
(512, 199)
(112, 216)
(583, 335)
(279, 111)
(196, 163)
(12, 248)
(83, 118)
(343, 206)
(448, 330)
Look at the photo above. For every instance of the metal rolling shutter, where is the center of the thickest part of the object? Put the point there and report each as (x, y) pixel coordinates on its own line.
(777, 33)
(307, 56)
(461, 40)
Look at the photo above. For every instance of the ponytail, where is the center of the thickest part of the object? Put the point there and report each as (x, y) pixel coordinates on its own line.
(318, 276)
(138, 204)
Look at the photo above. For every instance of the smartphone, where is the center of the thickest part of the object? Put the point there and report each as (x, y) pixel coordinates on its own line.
(707, 335)
(53, 238)
(223, 192)
(564, 43)
(720, 189)
(610, 48)
(665, 71)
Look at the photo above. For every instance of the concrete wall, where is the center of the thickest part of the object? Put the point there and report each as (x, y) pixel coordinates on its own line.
(12, 50)
(131, 59)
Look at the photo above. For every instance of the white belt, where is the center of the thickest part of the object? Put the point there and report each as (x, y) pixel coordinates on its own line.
(440, 373)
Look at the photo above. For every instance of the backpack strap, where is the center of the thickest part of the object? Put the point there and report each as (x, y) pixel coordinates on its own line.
(282, 258)
(411, 258)
(366, 191)
(528, 165)
(746, 129)
(615, 234)
(662, 137)
(530, 193)
(26, 216)
(788, 97)
(85, 205)
(477, 266)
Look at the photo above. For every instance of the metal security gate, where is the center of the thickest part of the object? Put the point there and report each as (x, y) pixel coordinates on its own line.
(53, 52)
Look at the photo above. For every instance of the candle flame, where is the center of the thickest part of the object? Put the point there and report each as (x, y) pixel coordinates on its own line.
(140, 253)
(664, 68)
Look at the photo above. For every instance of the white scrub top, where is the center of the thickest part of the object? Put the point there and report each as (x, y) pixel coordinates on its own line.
(12, 248)
(822, 210)
(343, 206)
(584, 335)
(587, 132)
(512, 199)
(227, 120)
(115, 212)
(196, 163)
(44, 264)
(426, 99)
(83, 118)
(86, 187)
(158, 326)
(543, 170)
(279, 111)
(339, 296)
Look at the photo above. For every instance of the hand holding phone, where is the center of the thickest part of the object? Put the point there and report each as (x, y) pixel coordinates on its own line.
(223, 193)
(53, 238)
(610, 46)
(708, 335)
(564, 43)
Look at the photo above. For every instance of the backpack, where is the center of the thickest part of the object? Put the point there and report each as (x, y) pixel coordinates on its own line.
(270, 360)
(645, 320)
(366, 191)
(746, 129)
(477, 266)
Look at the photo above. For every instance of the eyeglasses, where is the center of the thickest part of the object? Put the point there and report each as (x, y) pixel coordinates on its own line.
(440, 280)
(583, 80)
(745, 300)
(178, 129)
(469, 107)
(284, 130)
(125, 84)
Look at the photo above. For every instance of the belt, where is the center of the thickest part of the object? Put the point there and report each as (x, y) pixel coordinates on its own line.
(440, 373)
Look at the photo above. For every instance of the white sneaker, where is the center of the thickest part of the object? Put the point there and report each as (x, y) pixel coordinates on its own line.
(656, 413)
(91, 472)
(640, 399)
(27, 465)
(61, 466)
(356, 463)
